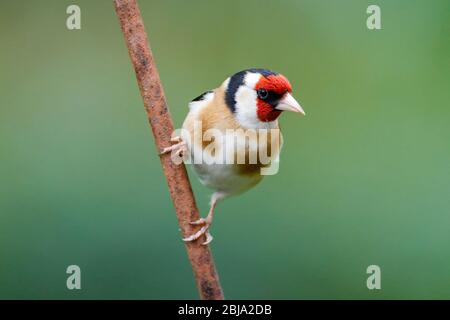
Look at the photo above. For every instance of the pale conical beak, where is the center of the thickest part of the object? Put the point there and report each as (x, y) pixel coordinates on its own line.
(288, 103)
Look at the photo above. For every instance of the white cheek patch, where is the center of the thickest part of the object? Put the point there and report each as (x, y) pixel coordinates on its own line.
(246, 107)
(246, 101)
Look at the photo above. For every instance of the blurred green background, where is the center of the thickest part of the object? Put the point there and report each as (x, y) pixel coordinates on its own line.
(364, 177)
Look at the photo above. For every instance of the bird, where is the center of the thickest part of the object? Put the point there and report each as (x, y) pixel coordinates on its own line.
(249, 100)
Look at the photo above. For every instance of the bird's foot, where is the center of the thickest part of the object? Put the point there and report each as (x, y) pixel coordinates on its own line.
(204, 230)
(179, 148)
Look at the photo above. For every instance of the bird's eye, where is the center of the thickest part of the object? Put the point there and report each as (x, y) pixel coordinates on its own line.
(262, 93)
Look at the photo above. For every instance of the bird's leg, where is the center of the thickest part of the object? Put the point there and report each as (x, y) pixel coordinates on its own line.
(206, 223)
(179, 147)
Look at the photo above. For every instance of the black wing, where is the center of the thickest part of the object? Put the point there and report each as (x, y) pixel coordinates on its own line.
(201, 97)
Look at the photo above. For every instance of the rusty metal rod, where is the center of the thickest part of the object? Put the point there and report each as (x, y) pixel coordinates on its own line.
(162, 127)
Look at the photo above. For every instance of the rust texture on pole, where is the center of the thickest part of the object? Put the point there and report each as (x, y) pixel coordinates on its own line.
(162, 127)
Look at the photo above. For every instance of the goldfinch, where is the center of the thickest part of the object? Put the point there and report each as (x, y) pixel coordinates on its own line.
(248, 101)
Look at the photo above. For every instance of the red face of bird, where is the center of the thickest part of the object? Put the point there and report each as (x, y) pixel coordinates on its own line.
(257, 96)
